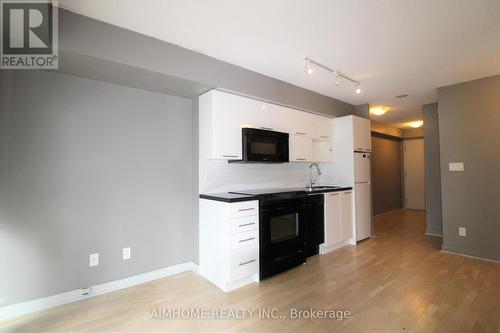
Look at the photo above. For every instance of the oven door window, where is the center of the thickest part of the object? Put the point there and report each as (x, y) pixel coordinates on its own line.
(284, 227)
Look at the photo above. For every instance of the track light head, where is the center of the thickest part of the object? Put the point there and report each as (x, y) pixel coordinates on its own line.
(357, 89)
(308, 68)
(338, 80)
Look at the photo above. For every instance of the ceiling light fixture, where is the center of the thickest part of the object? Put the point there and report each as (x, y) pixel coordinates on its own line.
(339, 76)
(416, 124)
(379, 110)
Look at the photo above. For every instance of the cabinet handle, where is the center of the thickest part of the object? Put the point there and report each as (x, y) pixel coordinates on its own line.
(247, 262)
(348, 192)
(236, 156)
(246, 239)
(325, 137)
(332, 194)
(300, 133)
(246, 224)
(266, 128)
(245, 209)
(300, 159)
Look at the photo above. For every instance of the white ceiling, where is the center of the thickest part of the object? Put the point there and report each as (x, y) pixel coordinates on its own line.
(391, 46)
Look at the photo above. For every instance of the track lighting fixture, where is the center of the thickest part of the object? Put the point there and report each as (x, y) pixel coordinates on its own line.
(339, 76)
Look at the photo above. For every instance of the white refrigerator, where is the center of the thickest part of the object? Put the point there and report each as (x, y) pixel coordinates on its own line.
(362, 195)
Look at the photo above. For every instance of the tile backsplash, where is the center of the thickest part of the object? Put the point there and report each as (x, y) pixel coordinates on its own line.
(221, 176)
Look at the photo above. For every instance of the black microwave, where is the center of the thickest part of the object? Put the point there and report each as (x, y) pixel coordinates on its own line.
(263, 146)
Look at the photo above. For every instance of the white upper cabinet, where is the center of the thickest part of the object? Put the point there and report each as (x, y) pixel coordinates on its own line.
(323, 151)
(301, 149)
(222, 116)
(220, 126)
(361, 134)
(302, 123)
(262, 115)
(324, 128)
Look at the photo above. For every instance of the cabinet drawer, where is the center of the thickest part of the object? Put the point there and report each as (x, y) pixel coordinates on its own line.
(245, 208)
(244, 239)
(242, 224)
(244, 262)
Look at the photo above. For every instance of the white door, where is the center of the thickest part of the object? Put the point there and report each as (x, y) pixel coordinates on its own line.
(346, 214)
(414, 174)
(357, 127)
(333, 228)
(362, 167)
(323, 151)
(367, 135)
(301, 148)
(363, 211)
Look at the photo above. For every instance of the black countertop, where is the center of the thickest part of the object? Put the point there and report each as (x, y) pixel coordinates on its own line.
(228, 197)
(238, 196)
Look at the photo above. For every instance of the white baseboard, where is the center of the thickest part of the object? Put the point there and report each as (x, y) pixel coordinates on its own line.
(18, 309)
(472, 257)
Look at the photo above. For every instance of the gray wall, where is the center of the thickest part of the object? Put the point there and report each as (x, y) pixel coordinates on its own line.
(432, 170)
(90, 167)
(386, 173)
(469, 127)
(86, 37)
(362, 111)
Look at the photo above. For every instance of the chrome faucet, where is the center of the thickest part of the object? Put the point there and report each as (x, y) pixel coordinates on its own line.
(311, 182)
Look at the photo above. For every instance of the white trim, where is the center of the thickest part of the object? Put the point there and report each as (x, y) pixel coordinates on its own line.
(472, 257)
(18, 309)
(327, 249)
(431, 234)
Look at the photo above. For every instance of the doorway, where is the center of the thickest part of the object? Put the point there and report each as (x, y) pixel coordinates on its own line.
(386, 177)
(414, 184)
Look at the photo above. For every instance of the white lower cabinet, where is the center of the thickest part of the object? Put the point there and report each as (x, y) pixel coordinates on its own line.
(229, 243)
(338, 221)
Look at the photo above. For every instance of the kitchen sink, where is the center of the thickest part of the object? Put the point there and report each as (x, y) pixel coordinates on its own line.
(319, 188)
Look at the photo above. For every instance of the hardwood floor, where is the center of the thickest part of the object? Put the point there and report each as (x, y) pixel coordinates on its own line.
(398, 281)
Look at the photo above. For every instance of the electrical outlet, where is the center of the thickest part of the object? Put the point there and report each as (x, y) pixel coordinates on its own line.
(86, 291)
(462, 232)
(456, 166)
(94, 259)
(126, 253)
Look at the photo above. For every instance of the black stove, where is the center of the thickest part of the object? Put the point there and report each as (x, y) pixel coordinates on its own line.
(282, 219)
